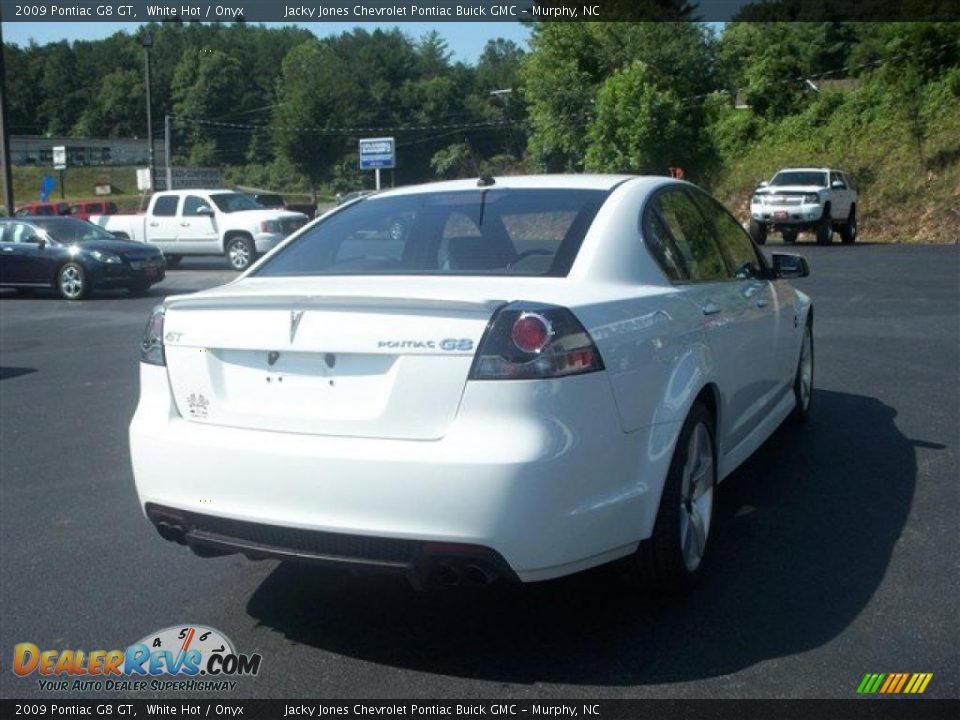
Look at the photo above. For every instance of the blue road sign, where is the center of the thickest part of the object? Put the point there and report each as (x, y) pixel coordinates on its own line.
(377, 153)
(46, 188)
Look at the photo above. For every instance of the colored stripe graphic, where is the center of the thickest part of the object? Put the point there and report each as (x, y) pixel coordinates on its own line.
(894, 683)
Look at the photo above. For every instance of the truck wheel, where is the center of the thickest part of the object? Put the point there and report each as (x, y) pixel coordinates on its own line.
(240, 252)
(174, 260)
(825, 228)
(758, 231)
(72, 282)
(789, 236)
(848, 233)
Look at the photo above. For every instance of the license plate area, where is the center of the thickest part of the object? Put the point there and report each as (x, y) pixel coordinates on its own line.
(780, 215)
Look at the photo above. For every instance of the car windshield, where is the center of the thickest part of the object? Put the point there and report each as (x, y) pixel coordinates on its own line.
(475, 232)
(69, 231)
(234, 202)
(800, 177)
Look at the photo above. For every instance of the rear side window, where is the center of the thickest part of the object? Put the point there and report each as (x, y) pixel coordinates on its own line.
(165, 206)
(496, 231)
(692, 236)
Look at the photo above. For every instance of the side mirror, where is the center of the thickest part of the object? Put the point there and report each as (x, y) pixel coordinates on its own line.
(786, 265)
(838, 185)
(763, 183)
(205, 211)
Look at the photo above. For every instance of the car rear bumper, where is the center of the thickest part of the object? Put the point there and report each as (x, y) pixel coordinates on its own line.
(537, 494)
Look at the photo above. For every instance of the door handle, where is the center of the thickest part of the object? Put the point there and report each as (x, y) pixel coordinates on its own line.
(710, 308)
(8, 249)
(154, 224)
(184, 224)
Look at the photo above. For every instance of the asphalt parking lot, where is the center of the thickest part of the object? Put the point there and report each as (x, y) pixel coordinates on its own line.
(836, 550)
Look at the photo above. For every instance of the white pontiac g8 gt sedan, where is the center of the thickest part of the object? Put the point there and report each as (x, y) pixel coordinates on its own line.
(518, 378)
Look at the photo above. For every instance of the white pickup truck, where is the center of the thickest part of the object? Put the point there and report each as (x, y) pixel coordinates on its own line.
(205, 222)
(805, 199)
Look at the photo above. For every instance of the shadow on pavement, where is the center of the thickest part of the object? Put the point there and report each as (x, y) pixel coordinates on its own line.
(11, 372)
(804, 533)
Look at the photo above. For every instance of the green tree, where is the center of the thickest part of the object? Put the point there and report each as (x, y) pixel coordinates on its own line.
(205, 89)
(638, 127)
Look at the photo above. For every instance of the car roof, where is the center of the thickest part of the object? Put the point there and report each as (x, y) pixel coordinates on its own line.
(808, 169)
(539, 182)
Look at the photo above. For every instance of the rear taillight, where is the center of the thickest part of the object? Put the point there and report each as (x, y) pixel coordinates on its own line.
(525, 341)
(151, 347)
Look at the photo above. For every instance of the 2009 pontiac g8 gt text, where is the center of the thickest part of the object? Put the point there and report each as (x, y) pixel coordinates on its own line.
(519, 378)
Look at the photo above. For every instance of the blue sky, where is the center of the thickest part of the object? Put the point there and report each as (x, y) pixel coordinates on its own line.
(465, 40)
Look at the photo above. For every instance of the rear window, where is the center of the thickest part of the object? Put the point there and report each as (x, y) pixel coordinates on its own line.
(477, 232)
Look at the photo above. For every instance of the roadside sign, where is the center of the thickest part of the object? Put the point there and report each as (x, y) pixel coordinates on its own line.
(377, 153)
(60, 157)
(144, 181)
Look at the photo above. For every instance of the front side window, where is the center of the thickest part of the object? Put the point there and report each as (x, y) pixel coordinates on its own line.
(165, 206)
(692, 236)
(496, 231)
(743, 262)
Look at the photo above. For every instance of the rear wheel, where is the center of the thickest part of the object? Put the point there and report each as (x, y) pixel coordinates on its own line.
(72, 282)
(848, 233)
(240, 252)
(825, 228)
(672, 558)
(789, 236)
(758, 231)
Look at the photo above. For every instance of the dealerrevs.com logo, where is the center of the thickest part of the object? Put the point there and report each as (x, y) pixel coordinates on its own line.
(198, 657)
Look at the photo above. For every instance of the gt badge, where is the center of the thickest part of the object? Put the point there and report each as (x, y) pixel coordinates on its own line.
(198, 405)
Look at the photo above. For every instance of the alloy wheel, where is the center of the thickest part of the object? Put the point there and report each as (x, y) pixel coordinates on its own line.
(696, 503)
(71, 282)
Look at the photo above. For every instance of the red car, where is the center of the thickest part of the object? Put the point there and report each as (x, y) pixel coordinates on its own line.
(85, 208)
(38, 209)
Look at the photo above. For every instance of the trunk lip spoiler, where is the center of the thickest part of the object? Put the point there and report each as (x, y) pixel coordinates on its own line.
(342, 303)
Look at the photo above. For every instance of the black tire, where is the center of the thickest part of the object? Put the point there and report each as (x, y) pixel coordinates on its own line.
(789, 236)
(758, 231)
(240, 252)
(174, 260)
(848, 233)
(659, 562)
(825, 228)
(72, 282)
(801, 412)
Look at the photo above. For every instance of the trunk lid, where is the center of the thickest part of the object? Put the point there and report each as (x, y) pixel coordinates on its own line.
(342, 363)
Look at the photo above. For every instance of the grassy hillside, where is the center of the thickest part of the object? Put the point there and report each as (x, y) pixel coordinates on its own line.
(909, 190)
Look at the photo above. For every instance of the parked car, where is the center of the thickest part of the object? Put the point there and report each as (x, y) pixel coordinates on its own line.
(797, 200)
(85, 208)
(73, 257)
(353, 195)
(206, 222)
(541, 375)
(268, 200)
(42, 209)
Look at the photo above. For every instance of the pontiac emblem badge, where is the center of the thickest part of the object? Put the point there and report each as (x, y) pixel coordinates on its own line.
(295, 317)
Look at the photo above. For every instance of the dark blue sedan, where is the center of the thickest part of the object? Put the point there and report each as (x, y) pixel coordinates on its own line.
(73, 257)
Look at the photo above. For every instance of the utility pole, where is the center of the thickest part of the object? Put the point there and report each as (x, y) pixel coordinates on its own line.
(166, 151)
(5, 134)
(146, 40)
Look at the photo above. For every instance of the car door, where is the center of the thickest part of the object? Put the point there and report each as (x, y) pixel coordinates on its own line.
(163, 225)
(730, 316)
(25, 261)
(198, 227)
(766, 312)
(839, 197)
